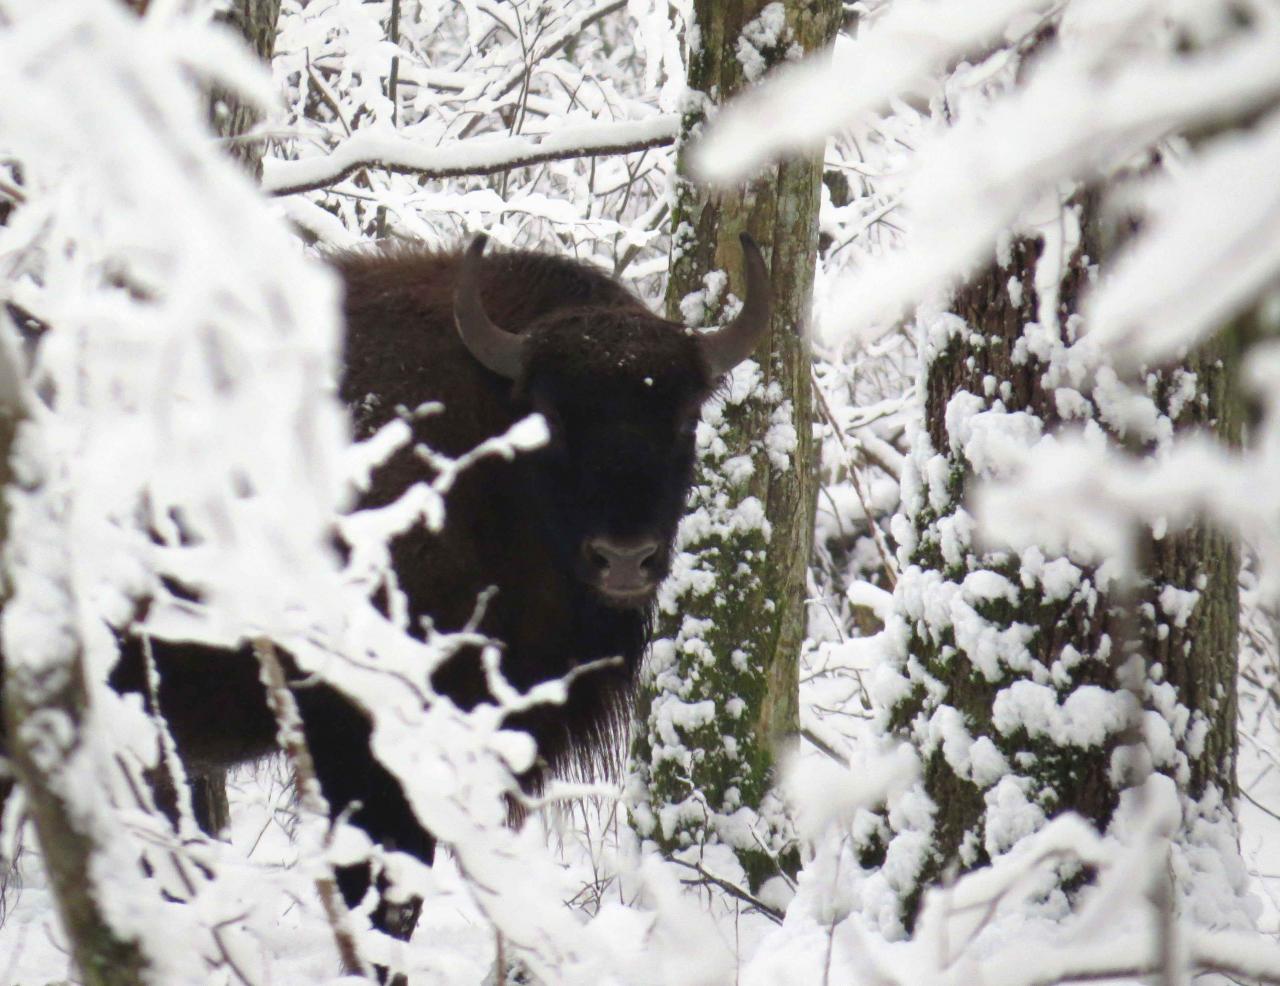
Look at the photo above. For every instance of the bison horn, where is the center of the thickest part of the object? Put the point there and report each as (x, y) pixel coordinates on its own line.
(726, 348)
(496, 349)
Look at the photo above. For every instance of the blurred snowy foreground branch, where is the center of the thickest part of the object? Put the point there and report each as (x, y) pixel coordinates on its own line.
(1111, 86)
(1109, 936)
(1006, 924)
(1125, 153)
(1076, 496)
(183, 431)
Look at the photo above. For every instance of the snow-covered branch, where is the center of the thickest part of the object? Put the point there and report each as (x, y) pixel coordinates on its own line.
(392, 152)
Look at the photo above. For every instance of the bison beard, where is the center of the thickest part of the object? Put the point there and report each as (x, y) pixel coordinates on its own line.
(573, 538)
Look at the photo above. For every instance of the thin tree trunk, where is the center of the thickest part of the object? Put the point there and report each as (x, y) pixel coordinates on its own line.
(256, 21)
(733, 640)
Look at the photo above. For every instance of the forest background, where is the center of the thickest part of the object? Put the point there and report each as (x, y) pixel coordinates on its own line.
(1027, 697)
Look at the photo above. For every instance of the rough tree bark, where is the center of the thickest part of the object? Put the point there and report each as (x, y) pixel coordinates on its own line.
(982, 632)
(720, 700)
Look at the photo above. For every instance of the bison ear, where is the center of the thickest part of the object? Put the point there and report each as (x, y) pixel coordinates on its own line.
(495, 349)
(726, 348)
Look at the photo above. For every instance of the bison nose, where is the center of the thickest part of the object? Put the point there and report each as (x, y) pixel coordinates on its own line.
(623, 566)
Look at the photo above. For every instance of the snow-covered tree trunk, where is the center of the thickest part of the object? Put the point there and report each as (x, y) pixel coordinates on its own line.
(1008, 663)
(45, 703)
(720, 702)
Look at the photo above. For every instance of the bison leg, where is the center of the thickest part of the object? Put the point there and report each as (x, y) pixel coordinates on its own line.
(352, 779)
(209, 800)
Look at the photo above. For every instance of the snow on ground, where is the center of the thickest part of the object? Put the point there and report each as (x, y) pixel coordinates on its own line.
(289, 936)
(455, 944)
(290, 941)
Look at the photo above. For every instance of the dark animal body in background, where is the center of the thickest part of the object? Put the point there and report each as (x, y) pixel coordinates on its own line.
(575, 536)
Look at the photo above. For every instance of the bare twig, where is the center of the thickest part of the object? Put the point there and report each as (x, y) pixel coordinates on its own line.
(326, 95)
(1261, 807)
(733, 890)
(572, 29)
(393, 80)
(630, 253)
(296, 751)
(877, 536)
(824, 746)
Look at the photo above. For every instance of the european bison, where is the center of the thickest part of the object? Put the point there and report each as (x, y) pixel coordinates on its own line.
(575, 537)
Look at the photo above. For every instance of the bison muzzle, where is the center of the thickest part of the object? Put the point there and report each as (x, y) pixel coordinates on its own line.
(567, 544)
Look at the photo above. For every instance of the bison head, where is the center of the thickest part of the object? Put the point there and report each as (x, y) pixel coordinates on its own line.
(621, 391)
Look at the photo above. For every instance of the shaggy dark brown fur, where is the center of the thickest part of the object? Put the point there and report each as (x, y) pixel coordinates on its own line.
(620, 389)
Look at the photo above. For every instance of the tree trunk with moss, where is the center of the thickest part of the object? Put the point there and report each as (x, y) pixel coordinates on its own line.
(719, 703)
(1008, 661)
